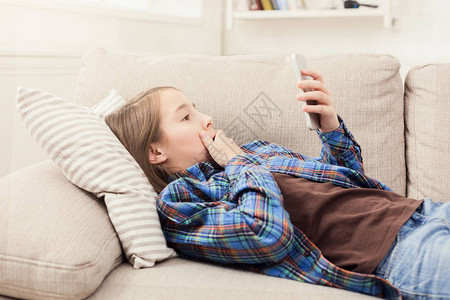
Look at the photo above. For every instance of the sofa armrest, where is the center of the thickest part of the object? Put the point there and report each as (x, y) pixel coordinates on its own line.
(56, 240)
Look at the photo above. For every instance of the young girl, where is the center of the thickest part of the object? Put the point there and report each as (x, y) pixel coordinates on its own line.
(268, 209)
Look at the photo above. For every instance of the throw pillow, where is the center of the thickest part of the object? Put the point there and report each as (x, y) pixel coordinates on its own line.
(90, 156)
(108, 105)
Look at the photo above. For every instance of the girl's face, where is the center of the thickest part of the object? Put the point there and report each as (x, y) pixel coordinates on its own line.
(181, 123)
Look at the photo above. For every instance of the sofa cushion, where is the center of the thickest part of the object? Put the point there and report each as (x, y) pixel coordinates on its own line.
(91, 156)
(427, 103)
(56, 240)
(253, 97)
(190, 280)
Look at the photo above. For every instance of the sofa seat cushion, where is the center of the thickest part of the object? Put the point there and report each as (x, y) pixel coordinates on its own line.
(427, 104)
(56, 240)
(179, 278)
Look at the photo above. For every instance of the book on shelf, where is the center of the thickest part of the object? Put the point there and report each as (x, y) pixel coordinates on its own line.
(276, 4)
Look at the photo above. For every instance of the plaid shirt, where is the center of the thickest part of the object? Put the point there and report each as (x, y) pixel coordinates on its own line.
(235, 215)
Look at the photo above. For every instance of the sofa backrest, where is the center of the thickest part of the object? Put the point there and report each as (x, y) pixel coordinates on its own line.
(427, 111)
(253, 97)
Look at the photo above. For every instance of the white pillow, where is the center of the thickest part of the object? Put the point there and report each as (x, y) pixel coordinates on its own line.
(90, 156)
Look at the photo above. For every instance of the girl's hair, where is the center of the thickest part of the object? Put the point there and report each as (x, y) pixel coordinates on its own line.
(137, 124)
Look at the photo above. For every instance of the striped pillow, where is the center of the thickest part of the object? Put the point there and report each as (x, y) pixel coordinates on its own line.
(90, 156)
(108, 105)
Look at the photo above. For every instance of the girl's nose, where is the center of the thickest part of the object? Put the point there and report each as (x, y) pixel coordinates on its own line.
(207, 122)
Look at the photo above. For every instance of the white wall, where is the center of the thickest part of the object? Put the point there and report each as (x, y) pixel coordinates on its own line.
(41, 48)
(421, 34)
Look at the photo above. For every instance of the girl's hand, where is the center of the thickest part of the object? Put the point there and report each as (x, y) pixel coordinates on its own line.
(222, 148)
(325, 106)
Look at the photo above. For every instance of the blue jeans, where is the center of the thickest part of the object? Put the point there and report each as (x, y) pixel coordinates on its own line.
(418, 262)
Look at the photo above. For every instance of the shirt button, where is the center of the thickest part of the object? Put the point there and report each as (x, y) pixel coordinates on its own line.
(324, 272)
(307, 253)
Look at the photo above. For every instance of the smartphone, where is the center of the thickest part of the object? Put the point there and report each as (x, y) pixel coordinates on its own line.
(312, 119)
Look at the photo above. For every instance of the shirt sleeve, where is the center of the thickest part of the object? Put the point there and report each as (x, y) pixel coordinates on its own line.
(234, 218)
(339, 147)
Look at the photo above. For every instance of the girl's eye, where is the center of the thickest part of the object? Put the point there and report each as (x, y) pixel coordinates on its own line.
(186, 117)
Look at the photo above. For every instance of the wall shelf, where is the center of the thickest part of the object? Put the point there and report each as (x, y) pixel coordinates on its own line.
(383, 11)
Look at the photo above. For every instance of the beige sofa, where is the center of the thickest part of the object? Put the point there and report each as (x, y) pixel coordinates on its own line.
(57, 241)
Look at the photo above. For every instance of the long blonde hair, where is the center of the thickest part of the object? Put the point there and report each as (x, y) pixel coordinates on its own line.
(137, 125)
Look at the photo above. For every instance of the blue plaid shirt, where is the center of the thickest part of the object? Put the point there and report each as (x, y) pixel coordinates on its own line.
(235, 215)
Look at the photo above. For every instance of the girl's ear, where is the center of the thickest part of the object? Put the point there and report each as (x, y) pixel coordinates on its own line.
(156, 155)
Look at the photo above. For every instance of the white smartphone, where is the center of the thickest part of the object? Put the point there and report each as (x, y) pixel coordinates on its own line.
(312, 119)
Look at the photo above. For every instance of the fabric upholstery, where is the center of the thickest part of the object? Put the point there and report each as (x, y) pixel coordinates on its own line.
(56, 240)
(427, 104)
(183, 279)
